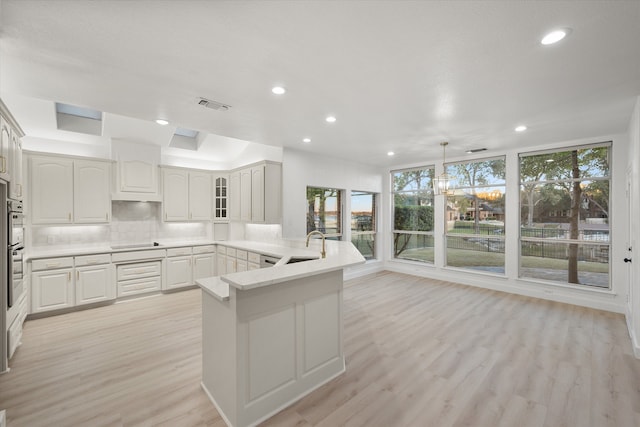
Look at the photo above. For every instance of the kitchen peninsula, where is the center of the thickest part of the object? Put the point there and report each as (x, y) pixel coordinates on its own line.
(273, 335)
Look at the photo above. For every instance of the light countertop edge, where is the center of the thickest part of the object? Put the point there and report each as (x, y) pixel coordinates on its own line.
(215, 287)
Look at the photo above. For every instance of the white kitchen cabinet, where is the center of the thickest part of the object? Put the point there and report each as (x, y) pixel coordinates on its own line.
(178, 272)
(15, 186)
(200, 196)
(91, 192)
(176, 194)
(187, 195)
(94, 284)
(137, 176)
(51, 190)
(256, 192)
(254, 261)
(245, 195)
(65, 191)
(204, 266)
(52, 290)
(5, 143)
(220, 197)
(234, 196)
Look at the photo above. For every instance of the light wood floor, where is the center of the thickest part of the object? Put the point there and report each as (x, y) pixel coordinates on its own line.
(419, 353)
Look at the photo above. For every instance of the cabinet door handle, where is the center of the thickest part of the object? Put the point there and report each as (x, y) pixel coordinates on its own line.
(52, 264)
(77, 275)
(19, 186)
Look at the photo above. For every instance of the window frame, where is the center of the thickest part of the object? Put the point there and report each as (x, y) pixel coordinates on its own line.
(374, 222)
(339, 214)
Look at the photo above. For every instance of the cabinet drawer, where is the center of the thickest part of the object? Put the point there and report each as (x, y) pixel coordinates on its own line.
(240, 254)
(222, 249)
(231, 252)
(208, 249)
(138, 270)
(254, 257)
(50, 263)
(93, 259)
(17, 309)
(178, 251)
(138, 286)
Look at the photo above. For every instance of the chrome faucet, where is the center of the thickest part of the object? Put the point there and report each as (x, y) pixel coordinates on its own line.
(324, 253)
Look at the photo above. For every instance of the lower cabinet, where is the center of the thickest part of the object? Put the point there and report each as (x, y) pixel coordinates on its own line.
(204, 265)
(139, 278)
(94, 284)
(52, 290)
(178, 272)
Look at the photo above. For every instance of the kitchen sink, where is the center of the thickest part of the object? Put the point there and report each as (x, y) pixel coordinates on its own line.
(300, 259)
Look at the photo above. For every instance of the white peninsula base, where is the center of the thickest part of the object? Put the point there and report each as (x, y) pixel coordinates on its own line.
(266, 347)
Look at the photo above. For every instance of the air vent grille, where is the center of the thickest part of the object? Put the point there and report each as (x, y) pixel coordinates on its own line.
(214, 105)
(476, 150)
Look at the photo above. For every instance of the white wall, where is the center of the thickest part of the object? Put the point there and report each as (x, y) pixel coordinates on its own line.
(633, 306)
(613, 300)
(301, 169)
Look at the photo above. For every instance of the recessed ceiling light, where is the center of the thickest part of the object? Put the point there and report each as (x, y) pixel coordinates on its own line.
(390, 153)
(278, 90)
(555, 36)
(521, 128)
(162, 122)
(330, 119)
(306, 140)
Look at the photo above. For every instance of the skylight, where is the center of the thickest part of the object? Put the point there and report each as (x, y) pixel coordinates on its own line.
(186, 132)
(78, 119)
(73, 110)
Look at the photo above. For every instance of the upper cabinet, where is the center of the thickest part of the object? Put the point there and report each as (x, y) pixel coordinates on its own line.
(11, 153)
(256, 193)
(136, 171)
(66, 191)
(187, 195)
(91, 198)
(220, 197)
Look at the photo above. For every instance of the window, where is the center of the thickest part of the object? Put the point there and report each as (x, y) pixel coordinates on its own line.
(413, 214)
(564, 215)
(475, 215)
(363, 223)
(324, 211)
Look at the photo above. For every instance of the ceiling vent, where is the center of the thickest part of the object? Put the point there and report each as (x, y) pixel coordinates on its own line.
(476, 150)
(214, 105)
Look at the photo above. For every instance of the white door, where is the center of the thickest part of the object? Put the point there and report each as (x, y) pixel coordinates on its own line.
(137, 176)
(245, 195)
(178, 272)
(94, 284)
(203, 266)
(234, 196)
(176, 194)
(630, 233)
(51, 190)
(91, 192)
(5, 142)
(200, 196)
(51, 290)
(257, 194)
(15, 186)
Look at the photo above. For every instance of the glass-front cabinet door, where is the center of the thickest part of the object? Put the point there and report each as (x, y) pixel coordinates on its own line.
(220, 197)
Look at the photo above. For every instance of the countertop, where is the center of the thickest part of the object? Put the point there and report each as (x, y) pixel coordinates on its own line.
(106, 249)
(339, 256)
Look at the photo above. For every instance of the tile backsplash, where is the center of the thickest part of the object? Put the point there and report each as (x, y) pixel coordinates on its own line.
(131, 222)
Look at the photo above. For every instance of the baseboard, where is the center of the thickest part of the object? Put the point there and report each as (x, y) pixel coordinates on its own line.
(362, 270)
(222, 414)
(635, 346)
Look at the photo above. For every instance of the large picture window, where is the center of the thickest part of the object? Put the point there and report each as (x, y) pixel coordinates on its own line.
(475, 216)
(564, 215)
(413, 214)
(363, 223)
(324, 211)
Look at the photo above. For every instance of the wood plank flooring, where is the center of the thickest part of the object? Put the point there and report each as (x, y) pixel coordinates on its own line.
(419, 352)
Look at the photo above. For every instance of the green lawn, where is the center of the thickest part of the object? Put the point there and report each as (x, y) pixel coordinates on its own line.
(467, 258)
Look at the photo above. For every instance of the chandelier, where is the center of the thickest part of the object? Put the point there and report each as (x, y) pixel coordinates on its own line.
(443, 183)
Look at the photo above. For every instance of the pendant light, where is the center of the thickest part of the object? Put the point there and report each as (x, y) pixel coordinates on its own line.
(442, 184)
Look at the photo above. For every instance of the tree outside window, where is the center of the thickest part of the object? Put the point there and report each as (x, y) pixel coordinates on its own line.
(413, 214)
(324, 211)
(363, 223)
(564, 216)
(475, 215)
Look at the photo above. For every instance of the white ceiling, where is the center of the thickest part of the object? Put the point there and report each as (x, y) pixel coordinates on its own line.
(398, 75)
